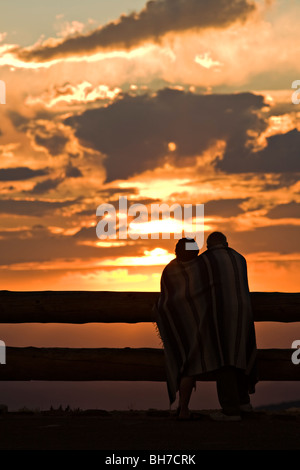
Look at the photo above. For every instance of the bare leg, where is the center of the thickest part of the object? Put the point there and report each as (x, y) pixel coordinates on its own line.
(185, 391)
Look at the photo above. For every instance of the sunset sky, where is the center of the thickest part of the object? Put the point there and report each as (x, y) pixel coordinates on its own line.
(167, 101)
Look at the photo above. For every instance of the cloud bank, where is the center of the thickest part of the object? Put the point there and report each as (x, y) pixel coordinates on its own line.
(155, 20)
(134, 132)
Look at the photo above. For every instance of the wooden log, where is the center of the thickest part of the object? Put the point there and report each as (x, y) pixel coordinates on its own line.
(83, 364)
(120, 307)
(277, 365)
(76, 307)
(145, 364)
(276, 306)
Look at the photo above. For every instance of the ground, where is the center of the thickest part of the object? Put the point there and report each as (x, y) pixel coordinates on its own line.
(147, 430)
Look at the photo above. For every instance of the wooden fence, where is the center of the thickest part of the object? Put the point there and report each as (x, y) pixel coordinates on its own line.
(126, 364)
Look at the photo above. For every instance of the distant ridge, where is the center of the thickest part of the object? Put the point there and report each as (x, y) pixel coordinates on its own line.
(285, 405)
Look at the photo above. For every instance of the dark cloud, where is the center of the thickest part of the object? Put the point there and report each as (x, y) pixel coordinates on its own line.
(20, 173)
(223, 207)
(72, 171)
(86, 233)
(105, 195)
(283, 239)
(283, 211)
(134, 131)
(130, 202)
(283, 180)
(23, 123)
(278, 109)
(31, 208)
(280, 155)
(156, 19)
(45, 186)
(39, 244)
(19, 121)
(114, 191)
(53, 140)
(86, 213)
(55, 144)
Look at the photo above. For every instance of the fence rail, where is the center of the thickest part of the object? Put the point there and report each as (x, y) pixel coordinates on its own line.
(121, 307)
(127, 364)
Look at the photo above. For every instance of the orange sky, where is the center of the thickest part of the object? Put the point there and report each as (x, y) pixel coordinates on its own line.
(197, 110)
(198, 113)
(162, 102)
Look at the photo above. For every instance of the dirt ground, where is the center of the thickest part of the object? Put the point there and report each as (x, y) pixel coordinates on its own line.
(147, 430)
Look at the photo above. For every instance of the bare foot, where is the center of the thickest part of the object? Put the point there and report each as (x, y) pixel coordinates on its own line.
(184, 414)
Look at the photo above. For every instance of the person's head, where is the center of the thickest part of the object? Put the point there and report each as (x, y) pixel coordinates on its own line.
(183, 253)
(216, 238)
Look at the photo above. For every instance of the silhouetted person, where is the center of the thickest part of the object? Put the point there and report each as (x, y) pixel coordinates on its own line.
(187, 383)
(229, 286)
(205, 321)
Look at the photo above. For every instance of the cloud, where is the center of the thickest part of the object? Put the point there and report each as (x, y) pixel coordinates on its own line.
(20, 173)
(281, 239)
(280, 155)
(42, 129)
(39, 244)
(54, 144)
(72, 171)
(282, 180)
(34, 208)
(285, 211)
(113, 191)
(206, 61)
(134, 132)
(223, 207)
(45, 186)
(69, 94)
(52, 183)
(18, 120)
(155, 20)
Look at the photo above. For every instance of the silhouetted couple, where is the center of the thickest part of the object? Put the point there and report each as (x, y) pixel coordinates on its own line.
(205, 321)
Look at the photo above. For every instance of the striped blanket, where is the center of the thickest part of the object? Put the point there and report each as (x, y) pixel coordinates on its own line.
(204, 316)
